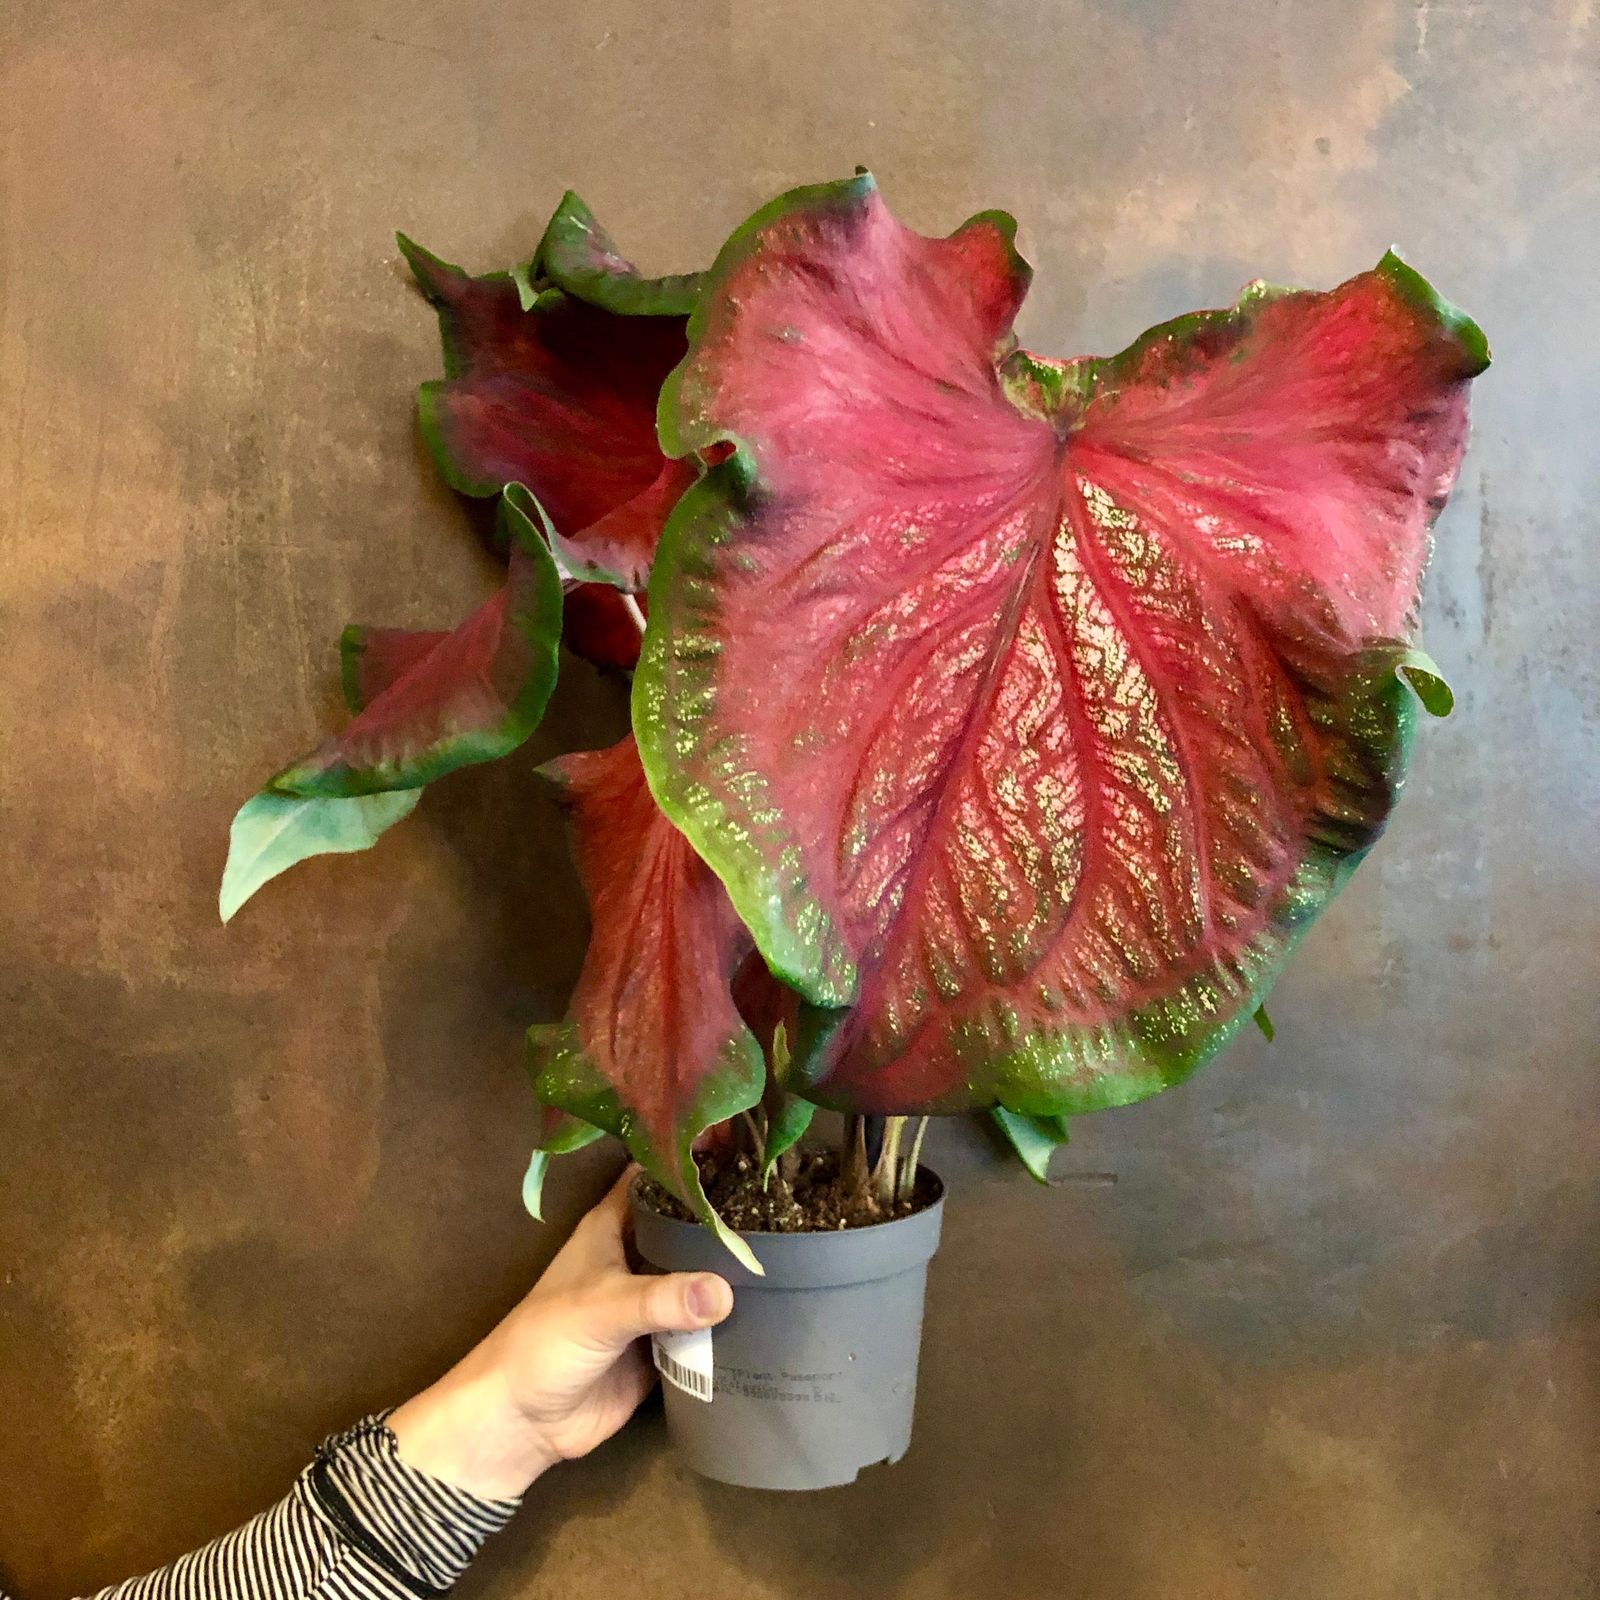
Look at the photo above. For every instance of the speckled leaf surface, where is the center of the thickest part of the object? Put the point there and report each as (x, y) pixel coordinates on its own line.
(1030, 710)
(428, 703)
(653, 1048)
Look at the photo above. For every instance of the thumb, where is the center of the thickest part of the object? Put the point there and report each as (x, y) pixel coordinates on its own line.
(674, 1303)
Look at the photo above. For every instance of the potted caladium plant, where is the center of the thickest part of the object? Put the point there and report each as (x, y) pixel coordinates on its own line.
(1000, 724)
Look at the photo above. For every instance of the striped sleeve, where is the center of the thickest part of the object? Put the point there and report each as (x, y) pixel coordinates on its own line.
(359, 1524)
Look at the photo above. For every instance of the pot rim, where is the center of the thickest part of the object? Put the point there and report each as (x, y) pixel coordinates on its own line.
(636, 1199)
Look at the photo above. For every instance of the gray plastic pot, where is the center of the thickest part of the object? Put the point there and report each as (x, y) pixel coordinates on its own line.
(816, 1367)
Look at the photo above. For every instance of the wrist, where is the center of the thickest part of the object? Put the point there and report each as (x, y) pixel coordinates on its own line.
(466, 1430)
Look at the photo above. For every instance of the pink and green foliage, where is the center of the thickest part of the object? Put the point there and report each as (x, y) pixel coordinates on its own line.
(559, 396)
(427, 703)
(424, 703)
(654, 1048)
(578, 257)
(551, 377)
(1030, 710)
(1019, 714)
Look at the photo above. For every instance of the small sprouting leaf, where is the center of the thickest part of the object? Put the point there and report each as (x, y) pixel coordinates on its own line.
(274, 831)
(1421, 671)
(1264, 1023)
(1033, 1138)
(786, 1130)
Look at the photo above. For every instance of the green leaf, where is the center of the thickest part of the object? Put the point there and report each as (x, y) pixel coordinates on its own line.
(1264, 1023)
(1421, 671)
(1033, 1138)
(786, 1130)
(533, 1184)
(562, 1135)
(579, 256)
(273, 831)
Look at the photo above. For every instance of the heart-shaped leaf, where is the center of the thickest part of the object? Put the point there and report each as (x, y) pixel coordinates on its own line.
(1030, 710)
(429, 703)
(653, 1048)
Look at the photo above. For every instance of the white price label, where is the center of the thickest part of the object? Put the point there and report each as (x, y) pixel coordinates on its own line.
(684, 1360)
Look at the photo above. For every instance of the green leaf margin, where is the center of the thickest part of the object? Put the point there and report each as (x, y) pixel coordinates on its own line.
(565, 1076)
(572, 256)
(525, 528)
(1035, 1139)
(273, 832)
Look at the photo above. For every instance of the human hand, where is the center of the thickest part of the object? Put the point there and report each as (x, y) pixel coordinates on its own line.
(563, 1371)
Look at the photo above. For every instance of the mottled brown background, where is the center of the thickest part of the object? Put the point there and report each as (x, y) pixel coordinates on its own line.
(1321, 1324)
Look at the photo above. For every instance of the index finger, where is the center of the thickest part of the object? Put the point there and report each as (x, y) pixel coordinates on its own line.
(610, 1218)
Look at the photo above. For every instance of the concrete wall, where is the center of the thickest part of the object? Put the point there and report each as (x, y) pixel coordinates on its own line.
(1320, 1324)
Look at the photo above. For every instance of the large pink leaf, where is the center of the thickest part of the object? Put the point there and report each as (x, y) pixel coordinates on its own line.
(1030, 710)
(559, 395)
(653, 1048)
(426, 702)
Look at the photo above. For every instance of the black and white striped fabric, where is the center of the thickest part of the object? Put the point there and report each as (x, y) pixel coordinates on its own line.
(359, 1524)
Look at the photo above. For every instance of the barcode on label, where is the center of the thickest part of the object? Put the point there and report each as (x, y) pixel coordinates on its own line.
(684, 1360)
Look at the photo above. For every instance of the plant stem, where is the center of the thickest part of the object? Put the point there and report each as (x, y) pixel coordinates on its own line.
(633, 610)
(908, 1172)
(886, 1175)
(853, 1157)
(758, 1139)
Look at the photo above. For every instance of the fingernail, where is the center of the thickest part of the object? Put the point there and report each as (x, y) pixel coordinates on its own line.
(704, 1300)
